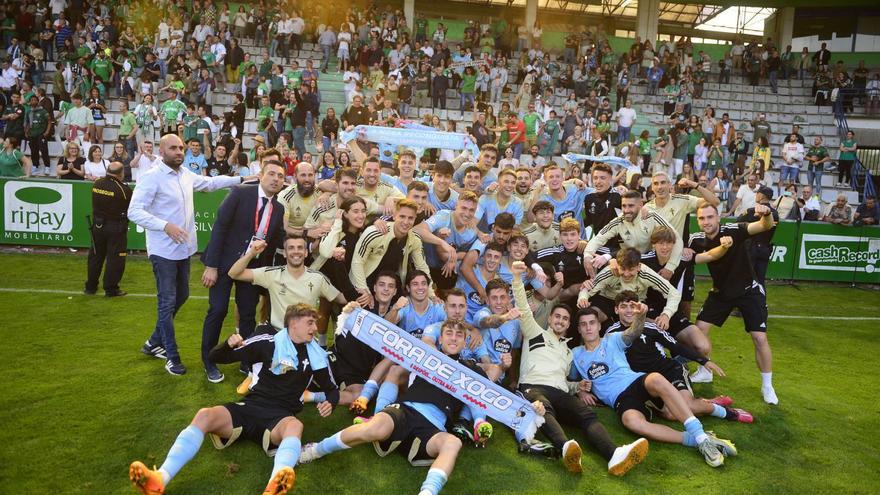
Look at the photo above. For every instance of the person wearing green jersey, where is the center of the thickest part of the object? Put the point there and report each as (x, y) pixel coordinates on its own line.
(102, 66)
(848, 148)
(36, 128)
(816, 158)
(13, 163)
(170, 113)
(532, 120)
(468, 88)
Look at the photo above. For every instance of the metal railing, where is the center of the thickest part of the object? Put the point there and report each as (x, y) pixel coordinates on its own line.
(862, 178)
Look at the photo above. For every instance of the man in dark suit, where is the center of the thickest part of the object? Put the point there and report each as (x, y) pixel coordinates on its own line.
(250, 210)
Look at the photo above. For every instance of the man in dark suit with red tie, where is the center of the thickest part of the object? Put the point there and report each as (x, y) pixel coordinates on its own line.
(250, 210)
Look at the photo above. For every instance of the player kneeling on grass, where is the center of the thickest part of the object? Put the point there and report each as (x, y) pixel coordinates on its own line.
(416, 424)
(601, 365)
(643, 356)
(291, 359)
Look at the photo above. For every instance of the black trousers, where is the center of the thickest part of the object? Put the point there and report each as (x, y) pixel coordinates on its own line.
(760, 261)
(109, 239)
(39, 147)
(247, 296)
(569, 409)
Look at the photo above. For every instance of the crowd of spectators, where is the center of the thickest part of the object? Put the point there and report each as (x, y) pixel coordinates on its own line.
(165, 63)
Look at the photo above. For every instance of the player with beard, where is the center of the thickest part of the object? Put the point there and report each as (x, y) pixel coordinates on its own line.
(371, 187)
(299, 201)
(406, 166)
(523, 189)
(448, 235)
(544, 233)
(734, 284)
(501, 230)
(324, 213)
(416, 425)
(675, 209)
(603, 204)
(643, 356)
(634, 231)
(290, 284)
(290, 361)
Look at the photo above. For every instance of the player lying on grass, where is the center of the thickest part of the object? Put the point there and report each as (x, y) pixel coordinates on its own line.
(416, 424)
(602, 368)
(544, 366)
(647, 354)
(291, 359)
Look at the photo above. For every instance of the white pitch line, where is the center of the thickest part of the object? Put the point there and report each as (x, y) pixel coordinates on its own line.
(76, 293)
(79, 293)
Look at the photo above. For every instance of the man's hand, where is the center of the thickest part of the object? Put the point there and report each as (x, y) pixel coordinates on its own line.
(687, 254)
(506, 360)
(726, 241)
(401, 303)
(645, 212)
(588, 399)
(583, 303)
(762, 210)
(512, 314)
(484, 237)
(714, 368)
(339, 254)
(209, 277)
(614, 267)
(257, 246)
(665, 273)
(585, 386)
(517, 268)
(235, 341)
(538, 406)
(323, 200)
(598, 262)
(177, 234)
(365, 299)
(348, 308)
(558, 278)
(381, 226)
(662, 322)
(444, 233)
(687, 184)
(324, 408)
(476, 339)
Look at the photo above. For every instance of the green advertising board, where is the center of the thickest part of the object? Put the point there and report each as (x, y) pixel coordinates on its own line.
(48, 212)
(56, 213)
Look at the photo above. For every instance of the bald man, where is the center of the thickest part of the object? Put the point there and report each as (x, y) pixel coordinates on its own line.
(163, 205)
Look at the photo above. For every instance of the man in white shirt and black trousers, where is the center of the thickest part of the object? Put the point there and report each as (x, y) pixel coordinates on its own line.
(162, 204)
(249, 211)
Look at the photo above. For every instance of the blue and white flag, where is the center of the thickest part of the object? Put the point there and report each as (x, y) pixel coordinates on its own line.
(415, 139)
(448, 375)
(613, 160)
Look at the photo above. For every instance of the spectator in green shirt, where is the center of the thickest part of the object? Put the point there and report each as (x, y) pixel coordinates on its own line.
(532, 119)
(467, 89)
(102, 66)
(128, 129)
(13, 163)
(170, 112)
(37, 131)
(816, 158)
(847, 156)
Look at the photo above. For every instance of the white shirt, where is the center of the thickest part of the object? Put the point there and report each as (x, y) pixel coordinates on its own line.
(163, 196)
(351, 79)
(219, 51)
(297, 25)
(95, 169)
(626, 117)
(746, 199)
(201, 32)
(145, 164)
(794, 152)
(8, 77)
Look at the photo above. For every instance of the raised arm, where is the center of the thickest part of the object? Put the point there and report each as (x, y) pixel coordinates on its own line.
(638, 325)
(239, 270)
(528, 326)
(765, 223)
(715, 253)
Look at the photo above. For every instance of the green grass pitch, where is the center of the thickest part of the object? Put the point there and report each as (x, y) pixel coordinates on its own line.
(80, 403)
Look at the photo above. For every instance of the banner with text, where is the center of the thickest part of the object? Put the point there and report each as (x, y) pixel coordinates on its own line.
(49, 212)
